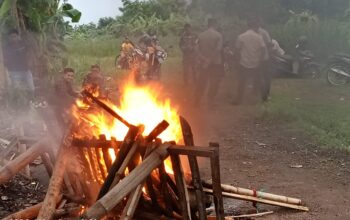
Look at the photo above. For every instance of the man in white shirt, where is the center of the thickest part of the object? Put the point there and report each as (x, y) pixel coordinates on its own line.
(252, 50)
(266, 64)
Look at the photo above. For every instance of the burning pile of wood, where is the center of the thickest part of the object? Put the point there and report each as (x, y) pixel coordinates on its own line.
(140, 177)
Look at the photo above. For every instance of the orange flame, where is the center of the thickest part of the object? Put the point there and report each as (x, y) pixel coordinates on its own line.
(138, 105)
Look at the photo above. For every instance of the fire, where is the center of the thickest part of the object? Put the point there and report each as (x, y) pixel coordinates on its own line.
(138, 105)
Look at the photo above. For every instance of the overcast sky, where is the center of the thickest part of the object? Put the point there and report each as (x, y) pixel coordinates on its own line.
(92, 10)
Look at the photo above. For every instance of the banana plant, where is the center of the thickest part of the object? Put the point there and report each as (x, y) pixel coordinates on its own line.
(42, 23)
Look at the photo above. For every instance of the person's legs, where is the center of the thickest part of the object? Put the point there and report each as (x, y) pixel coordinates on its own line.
(201, 85)
(258, 82)
(215, 77)
(266, 80)
(241, 84)
(186, 70)
(29, 84)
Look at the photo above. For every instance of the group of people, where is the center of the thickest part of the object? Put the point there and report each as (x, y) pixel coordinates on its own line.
(204, 57)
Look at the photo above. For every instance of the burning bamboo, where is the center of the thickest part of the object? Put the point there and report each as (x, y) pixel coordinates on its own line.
(129, 183)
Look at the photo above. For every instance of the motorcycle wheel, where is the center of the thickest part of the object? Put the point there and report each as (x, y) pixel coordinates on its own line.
(334, 78)
(312, 72)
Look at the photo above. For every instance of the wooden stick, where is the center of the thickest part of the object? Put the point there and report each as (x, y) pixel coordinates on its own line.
(94, 166)
(129, 156)
(181, 186)
(101, 163)
(249, 215)
(28, 213)
(47, 163)
(123, 151)
(259, 200)
(129, 183)
(215, 171)
(22, 148)
(262, 195)
(197, 183)
(165, 190)
(85, 164)
(106, 157)
(48, 209)
(14, 166)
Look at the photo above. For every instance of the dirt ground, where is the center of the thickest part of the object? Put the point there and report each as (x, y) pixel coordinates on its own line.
(260, 155)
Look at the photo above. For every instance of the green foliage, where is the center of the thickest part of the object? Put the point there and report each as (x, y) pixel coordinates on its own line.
(325, 37)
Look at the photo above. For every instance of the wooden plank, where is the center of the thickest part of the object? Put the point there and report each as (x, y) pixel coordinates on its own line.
(197, 183)
(192, 151)
(217, 192)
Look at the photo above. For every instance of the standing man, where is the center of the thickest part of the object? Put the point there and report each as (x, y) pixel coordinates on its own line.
(252, 50)
(265, 66)
(17, 64)
(187, 44)
(209, 51)
(64, 97)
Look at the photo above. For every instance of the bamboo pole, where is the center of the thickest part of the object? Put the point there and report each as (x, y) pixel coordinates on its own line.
(47, 163)
(14, 166)
(48, 209)
(28, 213)
(129, 183)
(258, 194)
(22, 148)
(259, 200)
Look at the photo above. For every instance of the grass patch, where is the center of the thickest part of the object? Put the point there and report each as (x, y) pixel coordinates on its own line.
(315, 108)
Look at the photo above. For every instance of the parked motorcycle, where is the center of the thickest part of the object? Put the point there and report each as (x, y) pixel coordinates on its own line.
(302, 65)
(307, 67)
(338, 69)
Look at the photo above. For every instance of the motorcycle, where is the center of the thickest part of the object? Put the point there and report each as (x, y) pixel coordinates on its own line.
(338, 70)
(307, 67)
(150, 68)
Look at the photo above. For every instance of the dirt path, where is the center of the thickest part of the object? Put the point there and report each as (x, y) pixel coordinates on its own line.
(258, 154)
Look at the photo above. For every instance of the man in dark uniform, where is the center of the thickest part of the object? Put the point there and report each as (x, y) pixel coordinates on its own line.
(187, 44)
(209, 51)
